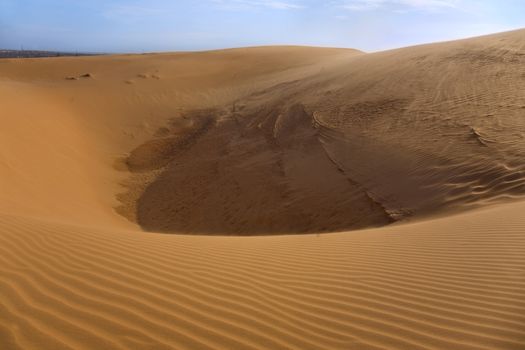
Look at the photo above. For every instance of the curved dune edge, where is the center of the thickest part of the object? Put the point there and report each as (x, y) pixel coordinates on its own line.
(76, 275)
(452, 283)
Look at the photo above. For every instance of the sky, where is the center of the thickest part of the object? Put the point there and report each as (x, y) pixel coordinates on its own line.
(175, 25)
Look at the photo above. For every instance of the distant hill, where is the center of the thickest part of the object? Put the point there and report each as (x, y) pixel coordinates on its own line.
(37, 54)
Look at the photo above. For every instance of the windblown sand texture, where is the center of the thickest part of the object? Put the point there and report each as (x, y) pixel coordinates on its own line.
(177, 201)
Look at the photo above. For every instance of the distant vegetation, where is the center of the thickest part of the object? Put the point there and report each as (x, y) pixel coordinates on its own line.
(37, 54)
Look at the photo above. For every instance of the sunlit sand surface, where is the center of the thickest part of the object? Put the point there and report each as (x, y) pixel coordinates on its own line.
(265, 198)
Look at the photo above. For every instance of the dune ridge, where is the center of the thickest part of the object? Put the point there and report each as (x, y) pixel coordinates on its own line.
(360, 140)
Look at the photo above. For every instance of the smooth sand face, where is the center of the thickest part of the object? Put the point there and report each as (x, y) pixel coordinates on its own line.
(275, 140)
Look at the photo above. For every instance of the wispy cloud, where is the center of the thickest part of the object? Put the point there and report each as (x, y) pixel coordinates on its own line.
(398, 5)
(251, 4)
(131, 12)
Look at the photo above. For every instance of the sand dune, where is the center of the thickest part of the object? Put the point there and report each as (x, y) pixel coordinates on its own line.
(270, 141)
(363, 141)
(453, 283)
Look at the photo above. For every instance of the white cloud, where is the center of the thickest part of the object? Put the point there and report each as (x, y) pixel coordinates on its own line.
(131, 11)
(398, 5)
(246, 4)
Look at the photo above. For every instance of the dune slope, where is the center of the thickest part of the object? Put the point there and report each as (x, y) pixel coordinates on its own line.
(363, 141)
(274, 140)
(455, 283)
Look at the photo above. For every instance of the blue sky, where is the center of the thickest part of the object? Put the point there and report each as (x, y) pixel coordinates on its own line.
(168, 25)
